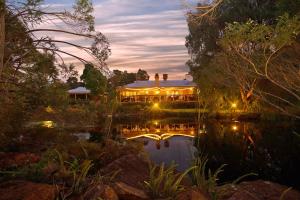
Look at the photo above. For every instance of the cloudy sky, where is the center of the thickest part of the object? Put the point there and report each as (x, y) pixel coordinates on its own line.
(147, 34)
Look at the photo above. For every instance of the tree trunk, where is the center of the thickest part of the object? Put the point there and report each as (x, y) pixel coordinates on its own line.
(2, 35)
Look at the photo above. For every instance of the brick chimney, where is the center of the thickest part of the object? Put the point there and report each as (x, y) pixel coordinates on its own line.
(165, 77)
(156, 79)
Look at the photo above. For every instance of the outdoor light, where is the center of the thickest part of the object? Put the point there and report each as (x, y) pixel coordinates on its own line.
(48, 124)
(155, 122)
(233, 105)
(157, 92)
(155, 105)
(147, 92)
(234, 127)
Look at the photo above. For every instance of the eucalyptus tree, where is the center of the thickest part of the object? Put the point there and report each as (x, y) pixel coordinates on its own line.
(22, 35)
(269, 55)
(30, 58)
(212, 60)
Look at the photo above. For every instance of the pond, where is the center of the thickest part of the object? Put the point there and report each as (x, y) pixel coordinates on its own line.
(270, 149)
(267, 148)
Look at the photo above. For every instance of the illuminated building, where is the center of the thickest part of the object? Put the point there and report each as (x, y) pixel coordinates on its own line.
(158, 91)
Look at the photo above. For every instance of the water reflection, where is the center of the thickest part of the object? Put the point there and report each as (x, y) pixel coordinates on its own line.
(269, 149)
(157, 130)
(83, 135)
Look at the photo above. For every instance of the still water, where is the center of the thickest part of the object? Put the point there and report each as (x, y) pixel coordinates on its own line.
(270, 149)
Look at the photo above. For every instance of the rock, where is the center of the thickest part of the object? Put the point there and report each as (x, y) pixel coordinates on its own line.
(13, 159)
(132, 170)
(23, 190)
(126, 192)
(259, 190)
(109, 194)
(192, 194)
(101, 191)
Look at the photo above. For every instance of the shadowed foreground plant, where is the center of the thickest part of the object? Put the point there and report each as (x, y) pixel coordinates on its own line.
(78, 170)
(206, 181)
(165, 182)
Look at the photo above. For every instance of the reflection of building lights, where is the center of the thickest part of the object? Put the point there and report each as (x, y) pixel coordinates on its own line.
(49, 109)
(48, 124)
(233, 105)
(234, 127)
(155, 105)
(156, 137)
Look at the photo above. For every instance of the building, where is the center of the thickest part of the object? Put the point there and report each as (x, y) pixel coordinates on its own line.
(158, 91)
(79, 93)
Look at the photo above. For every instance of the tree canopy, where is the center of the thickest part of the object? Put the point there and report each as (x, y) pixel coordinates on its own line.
(120, 78)
(242, 45)
(94, 79)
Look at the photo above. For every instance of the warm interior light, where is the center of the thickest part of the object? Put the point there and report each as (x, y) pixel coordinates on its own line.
(157, 92)
(233, 105)
(147, 92)
(155, 122)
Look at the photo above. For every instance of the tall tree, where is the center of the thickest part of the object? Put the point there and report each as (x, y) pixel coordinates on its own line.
(207, 28)
(94, 79)
(142, 75)
(265, 53)
(24, 19)
(120, 78)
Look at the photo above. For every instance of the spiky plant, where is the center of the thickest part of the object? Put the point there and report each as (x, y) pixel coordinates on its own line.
(165, 182)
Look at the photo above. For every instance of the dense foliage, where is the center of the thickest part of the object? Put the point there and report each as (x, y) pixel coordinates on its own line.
(252, 28)
(32, 64)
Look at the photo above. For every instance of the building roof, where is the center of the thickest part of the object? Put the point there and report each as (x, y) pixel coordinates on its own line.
(162, 83)
(79, 90)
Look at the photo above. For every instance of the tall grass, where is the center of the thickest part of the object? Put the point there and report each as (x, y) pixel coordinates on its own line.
(165, 182)
(204, 178)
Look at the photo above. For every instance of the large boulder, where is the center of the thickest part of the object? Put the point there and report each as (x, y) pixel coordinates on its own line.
(14, 159)
(23, 190)
(126, 192)
(257, 190)
(132, 170)
(192, 194)
(100, 191)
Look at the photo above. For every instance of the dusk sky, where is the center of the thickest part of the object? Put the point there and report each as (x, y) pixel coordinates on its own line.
(147, 34)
